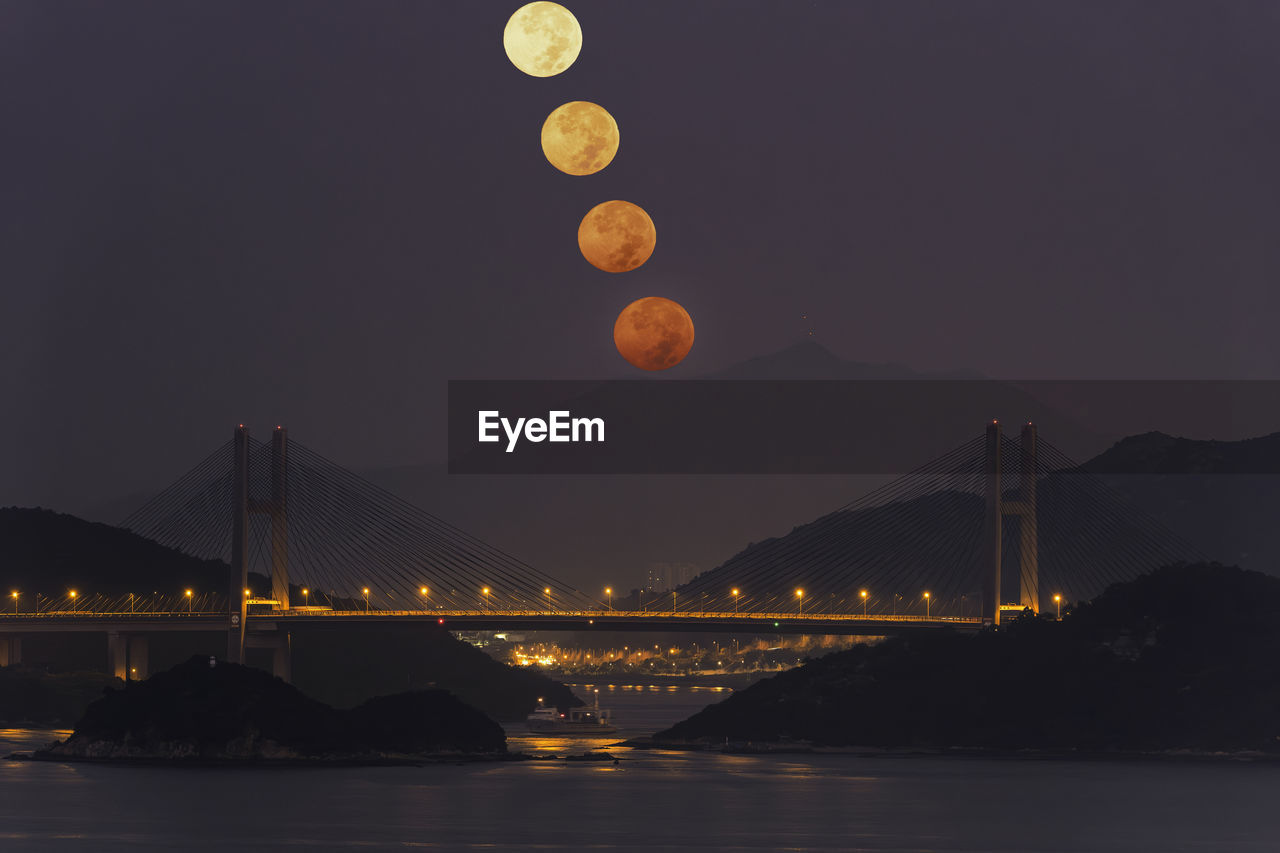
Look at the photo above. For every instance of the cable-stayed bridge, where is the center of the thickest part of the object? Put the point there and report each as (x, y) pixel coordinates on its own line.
(994, 525)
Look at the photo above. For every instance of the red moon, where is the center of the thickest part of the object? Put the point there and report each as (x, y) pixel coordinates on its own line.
(653, 333)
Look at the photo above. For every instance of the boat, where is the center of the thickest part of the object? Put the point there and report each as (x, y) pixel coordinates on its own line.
(576, 721)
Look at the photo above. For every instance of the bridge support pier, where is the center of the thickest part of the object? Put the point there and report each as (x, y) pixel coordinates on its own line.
(127, 655)
(118, 655)
(10, 650)
(139, 649)
(281, 645)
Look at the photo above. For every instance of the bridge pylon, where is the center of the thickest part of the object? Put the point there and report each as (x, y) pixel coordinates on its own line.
(1023, 509)
(276, 508)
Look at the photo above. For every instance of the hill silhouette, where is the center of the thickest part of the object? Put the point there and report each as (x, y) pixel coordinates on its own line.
(1179, 659)
(50, 552)
(227, 712)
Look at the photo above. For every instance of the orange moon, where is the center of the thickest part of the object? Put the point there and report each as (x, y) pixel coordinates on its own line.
(653, 333)
(580, 138)
(617, 236)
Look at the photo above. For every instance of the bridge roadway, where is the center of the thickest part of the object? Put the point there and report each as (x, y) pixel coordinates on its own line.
(479, 620)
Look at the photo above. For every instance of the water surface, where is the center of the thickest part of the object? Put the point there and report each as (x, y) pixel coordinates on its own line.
(651, 800)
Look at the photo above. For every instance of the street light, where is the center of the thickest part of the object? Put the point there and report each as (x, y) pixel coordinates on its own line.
(800, 598)
(547, 590)
(426, 598)
(365, 591)
(73, 595)
(734, 593)
(608, 591)
(306, 593)
(188, 594)
(864, 603)
(1057, 599)
(673, 602)
(485, 593)
(15, 602)
(926, 605)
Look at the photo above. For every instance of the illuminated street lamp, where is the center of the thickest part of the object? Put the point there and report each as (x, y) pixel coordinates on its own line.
(800, 598)
(547, 590)
(188, 595)
(14, 595)
(306, 593)
(864, 603)
(673, 602)
(608, 591)
(365, 592)
(73, 594)
(734, 593)
(485, 592)
(1057, 599)
(926, 605)
(426, 598)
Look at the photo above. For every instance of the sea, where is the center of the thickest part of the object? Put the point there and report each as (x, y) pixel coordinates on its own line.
(646, 800)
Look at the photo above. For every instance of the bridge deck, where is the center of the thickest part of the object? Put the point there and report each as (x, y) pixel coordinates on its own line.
(574, 620)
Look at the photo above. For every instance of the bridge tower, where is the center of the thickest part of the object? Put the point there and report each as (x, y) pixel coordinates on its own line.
(275, 507)
(1024, 509)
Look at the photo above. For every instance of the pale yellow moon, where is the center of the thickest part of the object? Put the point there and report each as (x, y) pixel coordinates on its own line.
(580, 138)
(617, 236)
(542, 39)
(653, 333)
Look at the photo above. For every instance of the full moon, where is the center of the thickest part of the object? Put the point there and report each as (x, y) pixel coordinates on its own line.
(653, 333)
(617, 236)
(542, 39)
(580, 138)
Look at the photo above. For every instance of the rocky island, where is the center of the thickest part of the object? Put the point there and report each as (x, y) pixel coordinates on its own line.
(212, 712)
(1182, 660)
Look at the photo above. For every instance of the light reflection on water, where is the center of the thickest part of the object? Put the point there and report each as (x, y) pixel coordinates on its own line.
(649, 800)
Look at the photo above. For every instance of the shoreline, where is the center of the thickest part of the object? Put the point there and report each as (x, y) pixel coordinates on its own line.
(985, 753)
(303, 762)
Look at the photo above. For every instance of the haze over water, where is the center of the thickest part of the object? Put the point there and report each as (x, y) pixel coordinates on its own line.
(649, 801)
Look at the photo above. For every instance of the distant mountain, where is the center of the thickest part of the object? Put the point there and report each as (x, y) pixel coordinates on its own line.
(1222, 495)
(1089, 538)
(1183, 498)
(49, 552)
(1158, 453)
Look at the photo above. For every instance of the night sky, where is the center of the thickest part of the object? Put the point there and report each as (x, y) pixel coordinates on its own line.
(316, 212)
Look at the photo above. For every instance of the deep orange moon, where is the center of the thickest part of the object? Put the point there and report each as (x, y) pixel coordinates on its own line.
(617, 236)
(653, 333)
